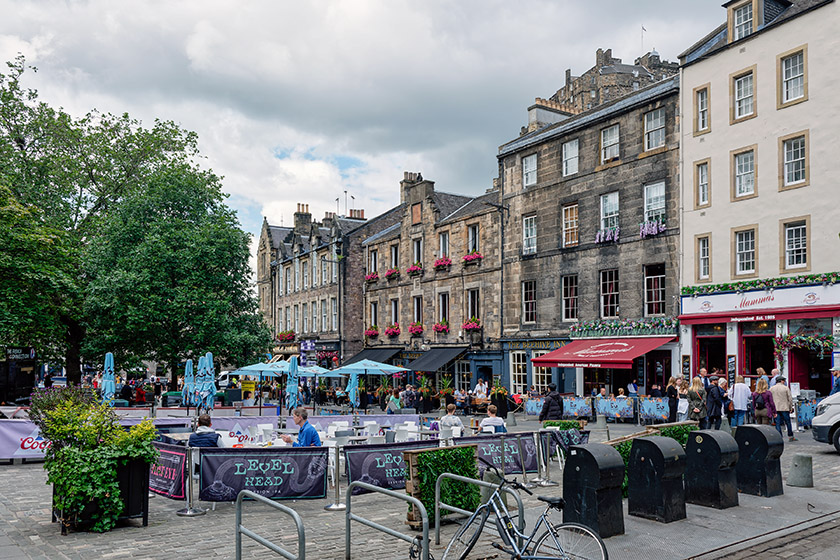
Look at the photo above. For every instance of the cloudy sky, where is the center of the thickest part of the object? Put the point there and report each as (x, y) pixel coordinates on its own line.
(299, 101)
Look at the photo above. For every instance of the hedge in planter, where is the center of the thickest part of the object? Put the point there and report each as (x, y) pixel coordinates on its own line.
(456, 460)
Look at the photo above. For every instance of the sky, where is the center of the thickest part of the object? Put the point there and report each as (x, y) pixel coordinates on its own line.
(299, 101)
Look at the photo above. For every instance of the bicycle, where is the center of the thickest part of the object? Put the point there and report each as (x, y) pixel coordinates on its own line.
(564, 541)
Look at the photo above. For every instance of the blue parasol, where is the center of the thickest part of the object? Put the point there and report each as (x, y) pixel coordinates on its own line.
(109, 384)
(189, 384)
(292, 394)
(207, 388)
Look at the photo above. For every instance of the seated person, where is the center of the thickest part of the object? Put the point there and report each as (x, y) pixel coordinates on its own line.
(460, 398)
(308, 435)
(247, 399)
(533, 393)
(493, 420)
(140, 394)
(127, 394)
(204, 435)
(450, 420)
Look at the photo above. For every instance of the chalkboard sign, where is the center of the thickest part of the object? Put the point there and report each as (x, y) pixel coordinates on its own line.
(686, 366)
(279, 473)
(166, 477)
(730, 369)
(380, 464)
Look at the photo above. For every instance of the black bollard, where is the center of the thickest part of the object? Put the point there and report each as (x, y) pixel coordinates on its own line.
(655, 479)
(711, 456)
(592, 481)
(759, 470)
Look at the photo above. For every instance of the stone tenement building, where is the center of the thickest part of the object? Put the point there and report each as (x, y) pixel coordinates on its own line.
(436, 268)
(593, 240)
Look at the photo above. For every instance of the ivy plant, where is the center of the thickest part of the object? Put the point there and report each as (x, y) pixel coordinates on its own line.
(562, 424)
(456, 460)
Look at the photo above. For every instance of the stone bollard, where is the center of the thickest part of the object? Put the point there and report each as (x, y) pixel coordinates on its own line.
(801, 472)
(511, 420)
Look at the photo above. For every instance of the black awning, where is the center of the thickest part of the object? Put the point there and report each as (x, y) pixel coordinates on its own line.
(381, 355)
(436, 358)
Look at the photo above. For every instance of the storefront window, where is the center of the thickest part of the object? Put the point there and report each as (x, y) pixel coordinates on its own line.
(757, 348)
(519, 372)
(710, 346)
(540, 376)
(462, 375)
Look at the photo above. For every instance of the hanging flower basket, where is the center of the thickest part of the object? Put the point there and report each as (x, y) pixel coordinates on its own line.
(415, 270)
(473, 257)
(826, 279)
(415, 329)
(609, 235)
(372, 332)
(372, 277)
(822, 343)
(441, 327)
(392, 274)
(286, 336)
(443, 263)
(392, 330)
(473, 325)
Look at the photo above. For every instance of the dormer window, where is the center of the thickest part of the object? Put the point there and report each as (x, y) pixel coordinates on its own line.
(742, 20)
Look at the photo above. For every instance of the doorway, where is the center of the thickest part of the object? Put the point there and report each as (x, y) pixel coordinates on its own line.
(757, 347)
(810, 369)
(657, 368)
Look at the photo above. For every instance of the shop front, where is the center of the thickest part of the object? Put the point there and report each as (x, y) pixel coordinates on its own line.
(520, 374)
(790, 328)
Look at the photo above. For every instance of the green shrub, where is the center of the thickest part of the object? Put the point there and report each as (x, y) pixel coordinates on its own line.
(456, 460)
(562, 424)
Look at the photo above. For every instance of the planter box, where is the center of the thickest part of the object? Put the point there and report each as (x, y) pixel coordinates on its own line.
(474, 262)
(444, 268)
(412, 480)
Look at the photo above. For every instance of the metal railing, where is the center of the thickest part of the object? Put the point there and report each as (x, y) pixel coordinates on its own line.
(520, 515)
(424, 539)
(240, 530)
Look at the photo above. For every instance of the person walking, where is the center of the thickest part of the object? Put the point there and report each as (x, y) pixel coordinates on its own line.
(835, 371)
(552, 406)
(673, 395)
(682, 405)
(763, 403)
(714, 403)
(393, 406)
(740, 395)
(697, 402)
(783, 401)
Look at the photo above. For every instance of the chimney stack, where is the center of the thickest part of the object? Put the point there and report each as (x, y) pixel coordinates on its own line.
(414, 188)
(303, 219)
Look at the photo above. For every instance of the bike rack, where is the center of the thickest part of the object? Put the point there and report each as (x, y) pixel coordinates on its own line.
(520, 515)
(424, 542)
(240, 530)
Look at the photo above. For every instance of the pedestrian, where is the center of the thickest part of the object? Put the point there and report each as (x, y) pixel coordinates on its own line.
(714, 404)
(655, 391)
(552, 406)
(728, 409)
(697, 402)
(633, 389)
(783, 401)
(682, 405)
(774, 375)
(835, 371)
(763, 403)
(759, 371)
(48, 380)
(393, 406)
(480, 390)
(740, 395)
(673, 398)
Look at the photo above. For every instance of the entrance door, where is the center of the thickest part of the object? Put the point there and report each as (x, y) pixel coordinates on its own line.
(798, 367)
(711, 352)
(658, 368)
(758, 351)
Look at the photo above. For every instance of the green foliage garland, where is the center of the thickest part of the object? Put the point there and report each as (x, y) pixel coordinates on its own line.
(455, 460)
(765, 283)
(562, 424)
(821, 343)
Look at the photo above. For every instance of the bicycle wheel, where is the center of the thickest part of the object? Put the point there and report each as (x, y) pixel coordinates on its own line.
(466, 537)
(571, 541)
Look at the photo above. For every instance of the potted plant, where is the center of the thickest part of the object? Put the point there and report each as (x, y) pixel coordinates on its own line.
(286, 336)
(441, 327)
(99, 471)
(608, 235)
(471, 325)
(392, 274)
(372, 331)
(443, 264)
(415, 329)
(651, 228)
(446, 389)
(372, 277)
(383, 391)
(425, 391)
(498, 396)
(392, 330)
(415, 270)
(473, 257)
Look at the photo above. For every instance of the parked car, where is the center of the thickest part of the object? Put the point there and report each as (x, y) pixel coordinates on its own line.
(826, 424)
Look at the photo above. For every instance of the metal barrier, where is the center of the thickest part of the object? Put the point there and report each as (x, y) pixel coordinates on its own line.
(520, 515)
(424, 542)
(240, 530)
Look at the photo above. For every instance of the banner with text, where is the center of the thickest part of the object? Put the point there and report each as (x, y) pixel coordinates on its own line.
(167, 476)
(21, 439)
(534, 405)
(805, 411)
(380, 464)
(577, 407)
(490, 449)
(614, 408)
(652, 408)
(279, 473)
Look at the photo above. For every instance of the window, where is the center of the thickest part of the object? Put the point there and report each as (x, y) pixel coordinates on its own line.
(373, 261)
(374, 313)
(334, 311)
(655, 202)
(742, 95)
(704, 266)
(796, 245)
(314, 308)
(519, 372)
(540, 376)
(443, 306)
(297, 274)
(795, 161)
(305, 265)
(609, 144)
(570, 158)
(791, 71)
(529, 235)
(744, 163)
(701, 184)
(324, 323)
(297, 319)
(701, 109)
(288, 318)
(288, 280)
(304, 309)
(395, 311)
(745, 252)
(529, 301)
(417, 302)
(570, 225)
(529, 170)
(463, 375)
(443, 239)
(324, 270)
(654, 289)
(742, 21)
(609, 210)
(416, 213)
(334, 265)
(609, 293)
(472, 238)
(654, 129)
(473, 308)
(570, 297)
(395, 256)
(314, 269)
(417, 250)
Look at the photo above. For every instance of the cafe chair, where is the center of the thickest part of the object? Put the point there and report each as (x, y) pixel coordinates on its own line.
(445, 436)
(500, 430)
(401, 434)
(339, 442)
(371, 428)
(488, 430)
(376, 439)
(457, 431)
(390, 436)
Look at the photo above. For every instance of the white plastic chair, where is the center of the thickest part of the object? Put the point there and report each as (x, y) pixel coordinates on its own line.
(371, 428)
(331, 429)
(402, 434)
(344, 423)
(488, 430)
(340, 442)
(376, 439)
(457, 431)
(445, 435)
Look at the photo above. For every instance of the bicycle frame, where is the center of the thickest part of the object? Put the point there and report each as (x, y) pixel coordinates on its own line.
(509, 533)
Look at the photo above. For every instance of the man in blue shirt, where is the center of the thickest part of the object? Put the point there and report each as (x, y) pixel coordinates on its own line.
(835, 371)
(308, 435)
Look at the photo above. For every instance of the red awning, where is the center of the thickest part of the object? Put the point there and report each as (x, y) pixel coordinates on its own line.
(601, 352)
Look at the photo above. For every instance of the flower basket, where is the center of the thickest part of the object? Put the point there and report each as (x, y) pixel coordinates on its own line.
(286, 336)
(441, 327)
(392, 274)
(651, 228)
(372, 277)
(415, 270)
(609, 235)
(372, 332)
(392, 330)
(443, 264)
(473, 325)
(415, 329)
(472, 258)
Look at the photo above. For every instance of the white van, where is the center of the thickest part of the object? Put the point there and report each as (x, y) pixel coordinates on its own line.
(224, 380)
(826, 423)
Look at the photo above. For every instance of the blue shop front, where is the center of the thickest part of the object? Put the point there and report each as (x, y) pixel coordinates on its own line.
(518, 374)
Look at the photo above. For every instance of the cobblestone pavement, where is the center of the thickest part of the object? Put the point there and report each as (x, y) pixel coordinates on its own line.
(821, 542)
(26, 531)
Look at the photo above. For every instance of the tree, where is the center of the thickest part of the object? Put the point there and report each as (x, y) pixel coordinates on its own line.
(169, 275)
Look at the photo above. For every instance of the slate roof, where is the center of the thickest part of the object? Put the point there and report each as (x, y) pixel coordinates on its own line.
(473, 207)
(447, 203)
(390, 232)
(625, 69)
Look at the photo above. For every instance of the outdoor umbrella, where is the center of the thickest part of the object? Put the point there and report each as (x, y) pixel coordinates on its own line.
(366, 367)
(292, 396)
(207, 389)
(263, 370)
(109, 385)
(189, 384)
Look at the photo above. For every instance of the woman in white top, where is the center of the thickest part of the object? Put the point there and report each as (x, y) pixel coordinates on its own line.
(740, 395)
